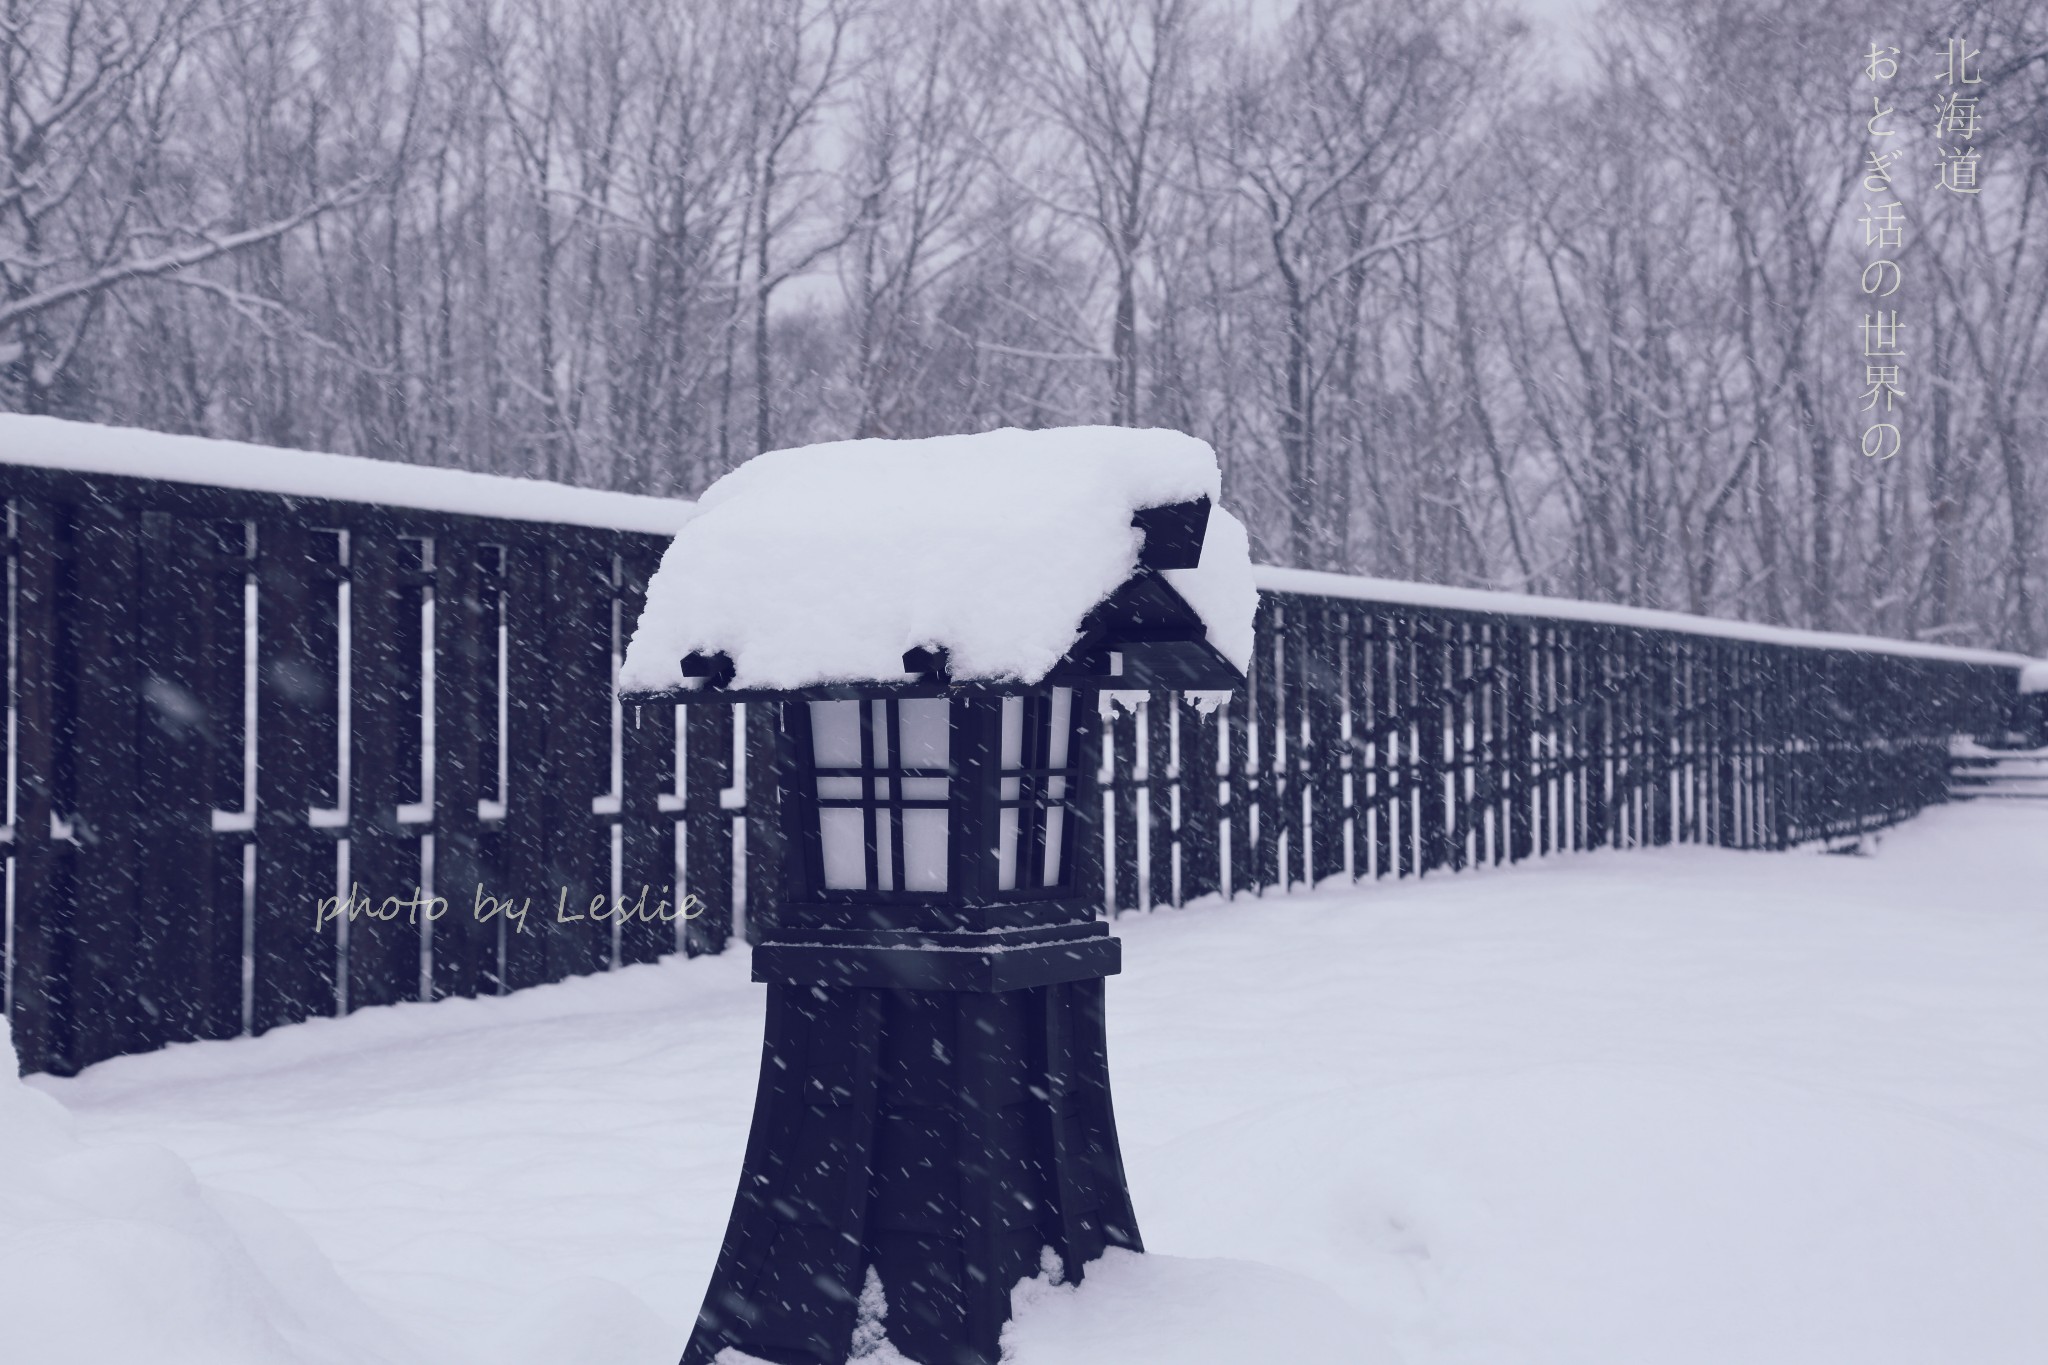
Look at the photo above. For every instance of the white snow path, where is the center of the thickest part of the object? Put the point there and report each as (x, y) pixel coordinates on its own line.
(1645, 1108)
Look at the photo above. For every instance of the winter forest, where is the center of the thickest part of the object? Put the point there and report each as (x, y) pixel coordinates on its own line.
(1456, 298)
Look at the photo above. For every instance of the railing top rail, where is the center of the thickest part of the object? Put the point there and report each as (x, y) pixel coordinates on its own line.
(1394, 592)
(87, 448)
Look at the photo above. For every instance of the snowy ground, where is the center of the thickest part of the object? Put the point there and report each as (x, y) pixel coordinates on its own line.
(1623, 1109)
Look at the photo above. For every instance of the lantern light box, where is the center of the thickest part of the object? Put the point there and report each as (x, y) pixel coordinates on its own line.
(934, 621)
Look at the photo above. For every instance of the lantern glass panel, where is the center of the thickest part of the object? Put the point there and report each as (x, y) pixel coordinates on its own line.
(927, 726)
(924, 849)
(842, 838)
(835, 734)
(883, 788)
(1032, 801)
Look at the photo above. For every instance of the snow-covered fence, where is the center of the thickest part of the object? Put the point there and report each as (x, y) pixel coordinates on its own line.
(244, 682)
(1394, 729)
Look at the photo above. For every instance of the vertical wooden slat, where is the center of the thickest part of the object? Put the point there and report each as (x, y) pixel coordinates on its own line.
(1268, 794)
(1597, 662)
(226, 604)
(1507, 775)
(1491, 752)
(1431, 730)
(1656, 690)
(576, 753)
(462, 946)
(1383, 707)
(118, 1007)
(707, 772)
(1627, 802)
(1293, 755)
(1617, 686)
(1161, 783)
(1547, 725)
(384, 863)
(1780, 740)
(1358, 746)
(1121, 844)
(1322, 685)
(1236, 739)
(1623, 735)
(1747, 794)
(1685, 771)
(1462, 817)
(1201, 847)
(1518, 759)
(647, 850)
(1455, 653)
(295, 956)
(493, 721)
(43, 865)
(523, 832)
(191, 945)
(1399, 719)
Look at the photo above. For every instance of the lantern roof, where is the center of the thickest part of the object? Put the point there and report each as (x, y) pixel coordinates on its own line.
(1002, 558)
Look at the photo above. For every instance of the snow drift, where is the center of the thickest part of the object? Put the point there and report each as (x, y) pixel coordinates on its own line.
(115, 1252)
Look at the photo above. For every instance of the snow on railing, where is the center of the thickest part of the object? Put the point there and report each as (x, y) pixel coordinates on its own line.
(128, 452)
(1395, 592)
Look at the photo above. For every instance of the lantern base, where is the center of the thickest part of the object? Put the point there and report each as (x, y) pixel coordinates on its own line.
(944, 1138)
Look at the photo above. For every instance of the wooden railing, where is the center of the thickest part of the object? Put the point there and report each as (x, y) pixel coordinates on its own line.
(272, 756)
(228, 706)
(1390, 730)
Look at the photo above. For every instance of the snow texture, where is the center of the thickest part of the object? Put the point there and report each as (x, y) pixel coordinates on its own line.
(85, 448)
(1672, 1107)
(2034, 677)
(113, 1251)
(824, 564)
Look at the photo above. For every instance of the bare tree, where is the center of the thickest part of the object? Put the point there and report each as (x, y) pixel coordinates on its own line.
(91, 198)
(1111, 75)
(924, 123)
(800, 61)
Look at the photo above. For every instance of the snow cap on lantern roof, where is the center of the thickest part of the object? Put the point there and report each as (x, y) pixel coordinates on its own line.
(825, 565)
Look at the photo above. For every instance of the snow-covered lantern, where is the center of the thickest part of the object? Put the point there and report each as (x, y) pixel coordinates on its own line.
(935, 621)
